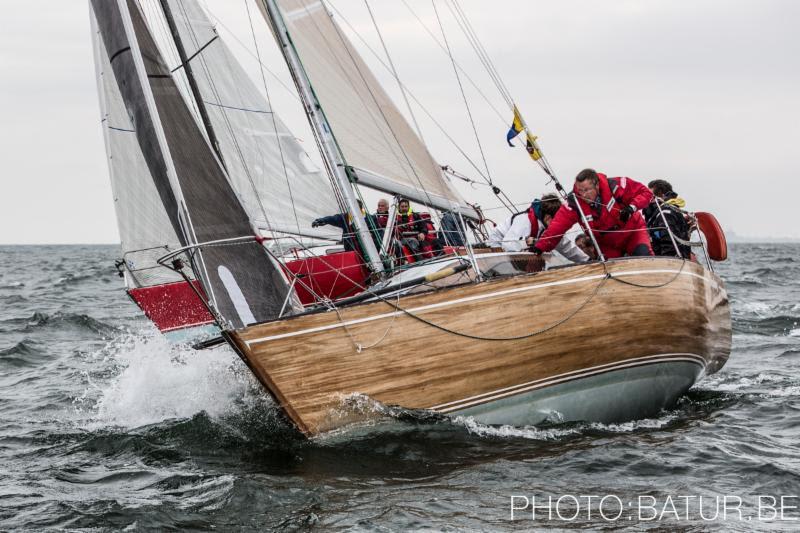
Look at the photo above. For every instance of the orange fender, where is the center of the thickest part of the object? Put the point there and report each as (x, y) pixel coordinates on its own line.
(716, 244)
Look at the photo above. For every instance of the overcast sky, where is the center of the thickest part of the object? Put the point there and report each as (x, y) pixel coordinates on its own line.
(705, 93)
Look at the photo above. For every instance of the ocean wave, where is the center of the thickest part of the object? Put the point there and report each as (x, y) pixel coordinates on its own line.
(13, 299)
(40, 320)
(22, 354)
(73, 279)
(762, 385)
(773, 325)
(764, 272)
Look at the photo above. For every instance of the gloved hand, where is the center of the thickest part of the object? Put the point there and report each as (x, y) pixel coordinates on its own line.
(626, 212)
(316, 223)
(535, 263)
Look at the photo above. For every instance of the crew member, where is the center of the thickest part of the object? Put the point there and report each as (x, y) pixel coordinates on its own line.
(524, 228)
(410, 228)
(611, 207)
(343, 221)
(671, 206)
(381, 217)
(584, 242)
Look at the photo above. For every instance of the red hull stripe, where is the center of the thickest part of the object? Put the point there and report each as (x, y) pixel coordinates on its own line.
(172, 306)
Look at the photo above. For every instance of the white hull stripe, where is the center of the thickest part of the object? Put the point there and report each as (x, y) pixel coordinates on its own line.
(468, 299)
(568, 376)
(187, 326)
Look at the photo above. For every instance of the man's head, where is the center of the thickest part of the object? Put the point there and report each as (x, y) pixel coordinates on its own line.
(403, 206)
(383, 206)
(583, 242)
(550, 204)
(660, 188)
(587, 184)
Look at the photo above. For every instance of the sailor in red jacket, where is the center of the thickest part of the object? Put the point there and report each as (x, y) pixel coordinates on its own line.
(612, 208)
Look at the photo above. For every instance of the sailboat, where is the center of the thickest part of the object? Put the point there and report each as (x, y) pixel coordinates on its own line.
(215, 203)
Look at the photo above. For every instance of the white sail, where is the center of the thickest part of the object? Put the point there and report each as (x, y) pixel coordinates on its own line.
(374, 137)
(241, 280)
(144, 227)
(280, 187)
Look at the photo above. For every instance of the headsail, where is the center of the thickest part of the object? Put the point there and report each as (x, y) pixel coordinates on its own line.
(144, 227)
(278, 184)
(243, 283)
(374, 137)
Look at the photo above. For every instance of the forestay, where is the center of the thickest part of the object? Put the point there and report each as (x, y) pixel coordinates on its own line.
(374, 137)
(242, 282)
(279, 185)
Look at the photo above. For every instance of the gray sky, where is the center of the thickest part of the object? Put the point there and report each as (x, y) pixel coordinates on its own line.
(703, 93)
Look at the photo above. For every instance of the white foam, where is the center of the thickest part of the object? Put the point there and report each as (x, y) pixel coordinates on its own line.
(757, 308)
(153, 380)
(546, 434)
(763, 384)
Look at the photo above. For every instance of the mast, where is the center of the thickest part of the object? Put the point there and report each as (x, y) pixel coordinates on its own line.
(201, 107)
(319, 124)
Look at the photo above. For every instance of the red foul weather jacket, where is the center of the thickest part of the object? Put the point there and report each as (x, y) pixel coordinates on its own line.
(603, 216)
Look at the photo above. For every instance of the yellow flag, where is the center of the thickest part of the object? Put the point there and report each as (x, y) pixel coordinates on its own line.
(533, 150)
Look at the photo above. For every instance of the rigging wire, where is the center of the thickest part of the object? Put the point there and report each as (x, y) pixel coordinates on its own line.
(461, 88)
(344, 71)
(226, 119)
(424, 109)
(249, 52)
(483, 56)
(394, 72)
(502, 118)
(272, 115)
(409, 162)
(493, 73)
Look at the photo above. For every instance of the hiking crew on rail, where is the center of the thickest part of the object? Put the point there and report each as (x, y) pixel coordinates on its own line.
(612, 209)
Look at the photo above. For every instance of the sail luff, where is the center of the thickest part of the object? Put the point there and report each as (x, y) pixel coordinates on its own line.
(243, 283)
(328, 145)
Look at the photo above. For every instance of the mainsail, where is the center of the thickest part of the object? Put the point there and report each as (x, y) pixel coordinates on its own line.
(243, 283)
(280, 187)
(374, 137)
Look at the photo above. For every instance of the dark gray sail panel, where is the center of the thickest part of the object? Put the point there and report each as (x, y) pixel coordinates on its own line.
(112, 31)
(243, 282)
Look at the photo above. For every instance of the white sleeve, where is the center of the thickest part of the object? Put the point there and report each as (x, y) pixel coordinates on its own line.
(567, 247)
(497, 233)
(514, 239)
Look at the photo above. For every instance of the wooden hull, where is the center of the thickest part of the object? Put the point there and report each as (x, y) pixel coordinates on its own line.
(570, 344)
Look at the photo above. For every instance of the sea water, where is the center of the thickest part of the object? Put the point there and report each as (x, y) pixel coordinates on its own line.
(106, 426)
